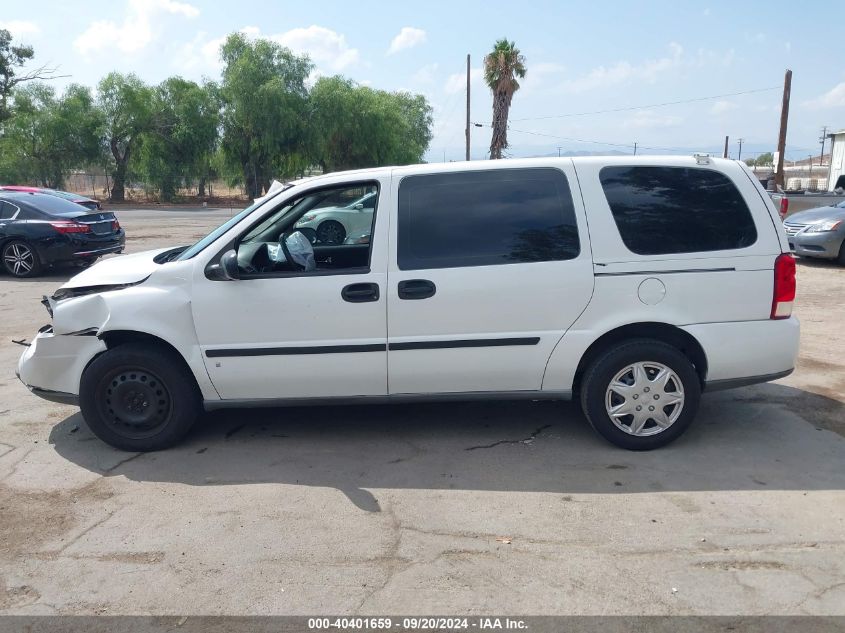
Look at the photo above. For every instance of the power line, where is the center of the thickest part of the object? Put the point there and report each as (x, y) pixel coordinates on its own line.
(645, 107)
(581, 140)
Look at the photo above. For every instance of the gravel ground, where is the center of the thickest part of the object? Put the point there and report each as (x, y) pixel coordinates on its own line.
(418, 509)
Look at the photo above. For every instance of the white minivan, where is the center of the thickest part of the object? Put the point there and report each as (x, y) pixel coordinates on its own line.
(632, 283)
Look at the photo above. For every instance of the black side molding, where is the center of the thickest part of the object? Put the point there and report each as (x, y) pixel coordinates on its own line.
(293, 351)
(375, 347)
(481, 342)
(56, 396)
(667, 272)
(733, 383)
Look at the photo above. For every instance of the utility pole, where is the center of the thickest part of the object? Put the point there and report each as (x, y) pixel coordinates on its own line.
(635, 148)
(558, 152)
(467, 130)
(784, 117)
(740, 140)
(822, 139)
(725, 154)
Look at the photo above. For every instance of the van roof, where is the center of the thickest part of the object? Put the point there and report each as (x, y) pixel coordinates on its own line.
(516, 163)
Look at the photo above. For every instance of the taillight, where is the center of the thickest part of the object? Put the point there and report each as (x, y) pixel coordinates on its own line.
(784, 290)
(65, 226)
(784, 207)
(115, 225)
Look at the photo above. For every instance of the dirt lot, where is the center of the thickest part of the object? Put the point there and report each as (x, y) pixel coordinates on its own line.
(471, 508)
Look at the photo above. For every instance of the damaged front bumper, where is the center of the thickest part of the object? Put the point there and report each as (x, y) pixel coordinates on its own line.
(52, 365)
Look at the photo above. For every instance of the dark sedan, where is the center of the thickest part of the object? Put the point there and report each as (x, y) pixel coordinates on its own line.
(38, 230)
(88, 203)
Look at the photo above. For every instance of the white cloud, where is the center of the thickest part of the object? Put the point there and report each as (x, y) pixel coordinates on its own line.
(20, 28)
(137, 29)
(539, 73)
(722, 106)
(719, 58)
(621, 72)
(325, 47)
(408, 37)
(458, 82)
(425, 75)
(833, 98)
(651, 119)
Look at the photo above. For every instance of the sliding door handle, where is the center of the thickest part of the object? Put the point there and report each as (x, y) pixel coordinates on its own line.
(416, 289)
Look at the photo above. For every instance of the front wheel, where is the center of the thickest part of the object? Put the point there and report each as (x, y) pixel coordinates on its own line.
(331, 232)
(139, 397)
(641, 395)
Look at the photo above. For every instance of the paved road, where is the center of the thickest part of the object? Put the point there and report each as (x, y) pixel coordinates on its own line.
(460, 508)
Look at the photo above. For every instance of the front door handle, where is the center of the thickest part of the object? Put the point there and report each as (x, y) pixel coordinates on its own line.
(416, 289)
(360, 293)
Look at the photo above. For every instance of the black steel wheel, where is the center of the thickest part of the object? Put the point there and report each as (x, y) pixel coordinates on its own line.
(139, 397)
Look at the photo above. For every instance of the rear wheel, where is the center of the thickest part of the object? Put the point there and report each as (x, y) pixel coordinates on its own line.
(641, 395)
(139, 397)
(331, 232)
(20, 259)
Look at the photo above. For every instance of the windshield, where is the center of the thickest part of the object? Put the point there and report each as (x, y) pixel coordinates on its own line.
(191, 251)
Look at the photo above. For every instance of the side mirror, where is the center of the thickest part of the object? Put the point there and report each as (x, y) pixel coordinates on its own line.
(229, 265)
(226, 270)
(359, 206)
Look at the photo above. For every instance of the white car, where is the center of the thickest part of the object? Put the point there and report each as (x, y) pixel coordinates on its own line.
(633, 284)
(332, 225)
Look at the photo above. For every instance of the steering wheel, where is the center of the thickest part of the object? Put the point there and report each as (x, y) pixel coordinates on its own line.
(309, 250)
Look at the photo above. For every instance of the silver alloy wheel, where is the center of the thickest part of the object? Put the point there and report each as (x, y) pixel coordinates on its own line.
(19, 259)
(644, 398)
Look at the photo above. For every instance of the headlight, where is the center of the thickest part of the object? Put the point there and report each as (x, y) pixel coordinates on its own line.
(308, 218)
(821, 227)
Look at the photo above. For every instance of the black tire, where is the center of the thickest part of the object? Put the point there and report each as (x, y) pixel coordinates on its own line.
(20, 259)
(841, 258)
(595, 397)
(331, 232)
(139, 397)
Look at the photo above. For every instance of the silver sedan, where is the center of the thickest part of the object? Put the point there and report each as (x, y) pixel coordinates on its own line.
(818, 232)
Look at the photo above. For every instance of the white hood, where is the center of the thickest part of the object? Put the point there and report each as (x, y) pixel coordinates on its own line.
(123, 269)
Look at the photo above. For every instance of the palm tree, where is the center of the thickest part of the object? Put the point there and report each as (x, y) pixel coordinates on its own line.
(503, 67)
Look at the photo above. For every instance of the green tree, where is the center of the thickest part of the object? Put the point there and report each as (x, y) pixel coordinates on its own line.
(47, 136)
(265, 102)
(12, 59)
(126, 104)
(751, 162)
(503, 68)
(356, 126)
(765, 159)
(178, 146)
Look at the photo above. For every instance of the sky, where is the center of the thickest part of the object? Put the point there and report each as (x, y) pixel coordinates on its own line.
(583, 59)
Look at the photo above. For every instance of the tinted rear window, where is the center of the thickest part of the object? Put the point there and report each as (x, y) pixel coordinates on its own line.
(47, 203)
(666, 210)
(501, 216)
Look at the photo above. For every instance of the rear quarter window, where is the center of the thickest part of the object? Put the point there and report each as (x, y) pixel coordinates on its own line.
(483, 218)
(7, 210)
(669, 210)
